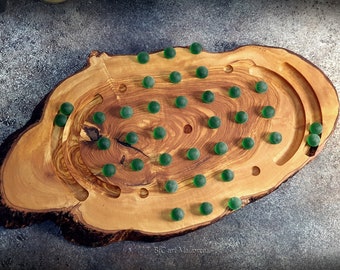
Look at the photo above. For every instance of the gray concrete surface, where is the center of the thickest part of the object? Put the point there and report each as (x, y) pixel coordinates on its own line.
(296, 227)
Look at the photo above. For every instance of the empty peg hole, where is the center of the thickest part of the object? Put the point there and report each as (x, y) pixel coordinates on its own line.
(143, 193)
(228, 69)
(187, 129)
(122, 88)
(256, 170)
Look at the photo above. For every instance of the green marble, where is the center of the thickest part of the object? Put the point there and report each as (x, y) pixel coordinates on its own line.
(169, 52)
(154, 107)
(137, 164)
(208, 96)
(171, 186)
(268, 112)
(175, 77)
(159, 133)
(214, 122)
(99, 118)
(66, 108)
(315, 128)
(181, 102)
(165, 159)
(131, 137)
(195, 48)
(206, 208)
(108, 170)
(193, 154)
(143, 57)
(220, 148)
(227, 175)
(148, 82)
(177, 214)
(126, 112)
(234, 203)
(313, 140)
(248, 143)
(202, 72)
(241, 117)
(234, 92)
(200, 180)
(103, 143)
(275, 137)
(60, 120)
(261, 87)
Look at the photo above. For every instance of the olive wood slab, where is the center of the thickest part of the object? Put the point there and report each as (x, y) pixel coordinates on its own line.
(51, 172)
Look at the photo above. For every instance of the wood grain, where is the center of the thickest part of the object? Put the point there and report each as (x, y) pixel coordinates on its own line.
(53, 172)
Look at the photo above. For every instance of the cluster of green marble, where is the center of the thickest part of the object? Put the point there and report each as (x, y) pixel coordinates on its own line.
(193, 154)
(175, 76)
(64, 111)
(315, 130)
(206, 208)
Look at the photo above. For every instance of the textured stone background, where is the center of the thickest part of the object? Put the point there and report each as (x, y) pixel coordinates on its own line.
(296, 227)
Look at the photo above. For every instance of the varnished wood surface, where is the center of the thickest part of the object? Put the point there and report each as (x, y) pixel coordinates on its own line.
(52, 169)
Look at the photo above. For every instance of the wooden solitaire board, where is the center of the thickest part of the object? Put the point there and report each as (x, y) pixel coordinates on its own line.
(55, 172)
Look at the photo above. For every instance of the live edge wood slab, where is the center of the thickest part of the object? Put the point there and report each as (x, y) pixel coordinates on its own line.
(55, 172)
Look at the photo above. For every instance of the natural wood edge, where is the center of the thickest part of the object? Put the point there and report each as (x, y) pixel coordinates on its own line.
(76, 232)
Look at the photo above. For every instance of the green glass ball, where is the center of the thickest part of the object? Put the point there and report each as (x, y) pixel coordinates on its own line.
(275, 137)
(171, 186)
(99, 118)
(195, 48)
(103, 143)
(60, 120)
(313, 140)
(181, 102)
(131, 138)
(315, 128)
(143, 57)
(165, 159)
(261, 87)
(248, 143)
(159, 133)
(137, 164)
(177, 214)
(268, 112)
(241, 117)
(193, 154)
(200, 180)
(206, 208)
(175, 77)
(169, 52)
(220, 148)
(214, 122)
(66, 108)
(234, 203)
(108, 170)
(202, 72)
(126, 112)
(234, 92)
(154, 107)
(208, 96)
(148, 82)
(227, 175)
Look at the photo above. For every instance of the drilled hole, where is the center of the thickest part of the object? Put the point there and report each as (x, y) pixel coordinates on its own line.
(228, 69)
(256, 171)
(312, 151)
(122, 88)
(187, 129)
(143, 193)
(113, 191)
